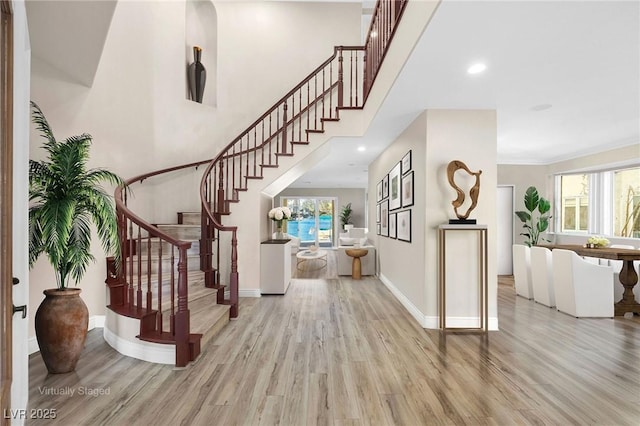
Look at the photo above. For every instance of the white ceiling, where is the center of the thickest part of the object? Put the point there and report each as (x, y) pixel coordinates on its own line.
(580, 57)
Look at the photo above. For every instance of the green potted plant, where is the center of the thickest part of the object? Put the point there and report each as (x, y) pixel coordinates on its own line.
(65, 198)
(534, 226)
(345, 215)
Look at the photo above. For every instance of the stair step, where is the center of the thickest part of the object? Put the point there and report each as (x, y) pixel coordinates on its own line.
(189, 218)
(166, 337)
(330, 119)
(284, 154)
(300, 143)
(193, 262)
(314, 131)
(269, 166)
(255, 177)
(166, 247)
(208, 318)
(241, 189)
(181, 232)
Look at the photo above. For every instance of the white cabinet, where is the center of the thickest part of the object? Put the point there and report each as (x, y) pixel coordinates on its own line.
(275, 266)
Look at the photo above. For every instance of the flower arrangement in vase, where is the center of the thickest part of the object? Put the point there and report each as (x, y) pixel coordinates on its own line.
(597, 242)
(279, 215)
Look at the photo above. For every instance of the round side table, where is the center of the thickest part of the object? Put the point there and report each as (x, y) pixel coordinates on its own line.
(356, 266)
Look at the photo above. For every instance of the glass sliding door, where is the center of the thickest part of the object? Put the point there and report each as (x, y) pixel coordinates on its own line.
(311, 220)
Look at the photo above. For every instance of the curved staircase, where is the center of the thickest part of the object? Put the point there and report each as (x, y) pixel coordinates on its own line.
(167, 295)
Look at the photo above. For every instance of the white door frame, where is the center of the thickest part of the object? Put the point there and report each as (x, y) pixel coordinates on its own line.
(505, 237)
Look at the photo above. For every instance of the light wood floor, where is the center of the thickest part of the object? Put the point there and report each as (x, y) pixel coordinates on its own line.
(344, 352)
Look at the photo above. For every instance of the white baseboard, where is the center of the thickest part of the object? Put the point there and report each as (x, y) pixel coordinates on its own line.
(95, 321)
(150, 352)
(409, 306)
(433, 322)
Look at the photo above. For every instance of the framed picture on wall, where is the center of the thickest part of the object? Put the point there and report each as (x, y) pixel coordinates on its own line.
(378, 228)
(392, 225)
(379, 191)
(385, 187)
(394, 187)
(378, 213)
(384, 218)
(407, 190)
(403, 225)
(406, 163)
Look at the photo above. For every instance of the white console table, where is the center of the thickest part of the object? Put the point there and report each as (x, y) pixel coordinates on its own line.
(275, 266)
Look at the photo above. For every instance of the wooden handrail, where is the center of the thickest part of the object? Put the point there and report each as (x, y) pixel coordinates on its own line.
(277, 132)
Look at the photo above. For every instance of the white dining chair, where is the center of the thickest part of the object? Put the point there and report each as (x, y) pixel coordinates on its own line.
(618, 289)
(582, 289)
(522, 270)
(542, 276)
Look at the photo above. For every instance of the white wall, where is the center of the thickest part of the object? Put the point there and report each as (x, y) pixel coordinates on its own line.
(136, 108)
(400, 262)
(437, 137)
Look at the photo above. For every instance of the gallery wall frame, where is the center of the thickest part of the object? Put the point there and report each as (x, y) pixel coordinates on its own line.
(377, 213)
(392, 225)
(379, 192)
(407, 190)
(384, 218)
(406, 163)
(395, 181)
(385, 187)
(403, 225)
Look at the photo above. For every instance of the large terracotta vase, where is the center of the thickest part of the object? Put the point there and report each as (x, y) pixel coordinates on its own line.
(61, 329)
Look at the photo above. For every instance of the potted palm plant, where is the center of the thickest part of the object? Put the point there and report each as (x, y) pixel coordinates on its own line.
(65, 198)
(345, 215)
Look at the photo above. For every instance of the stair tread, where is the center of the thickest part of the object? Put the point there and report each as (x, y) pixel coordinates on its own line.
(205, 313)
(165, 337)
(131, 312)
(314, 131)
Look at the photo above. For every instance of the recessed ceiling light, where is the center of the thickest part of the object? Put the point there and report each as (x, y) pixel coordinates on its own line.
(476, 68)
(541, 107)
(361, 148)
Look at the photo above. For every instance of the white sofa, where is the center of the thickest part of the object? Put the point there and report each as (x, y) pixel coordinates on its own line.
(351, 239)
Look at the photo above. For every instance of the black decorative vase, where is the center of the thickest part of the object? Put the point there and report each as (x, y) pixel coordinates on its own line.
(197, 76)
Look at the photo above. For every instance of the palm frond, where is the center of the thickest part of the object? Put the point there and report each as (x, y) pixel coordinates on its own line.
(66, 197)
(42, 125)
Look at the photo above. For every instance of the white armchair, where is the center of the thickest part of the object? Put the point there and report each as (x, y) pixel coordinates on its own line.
(522, 270)
(542, 276)
(582, 289)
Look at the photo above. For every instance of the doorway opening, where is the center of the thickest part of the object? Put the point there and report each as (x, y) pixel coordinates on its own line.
(312, 220)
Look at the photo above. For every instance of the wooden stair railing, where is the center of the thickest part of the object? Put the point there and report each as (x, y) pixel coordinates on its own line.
(343, 81)
(137, 291)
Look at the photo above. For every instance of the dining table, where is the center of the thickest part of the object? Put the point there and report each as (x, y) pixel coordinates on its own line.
(628, 274)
